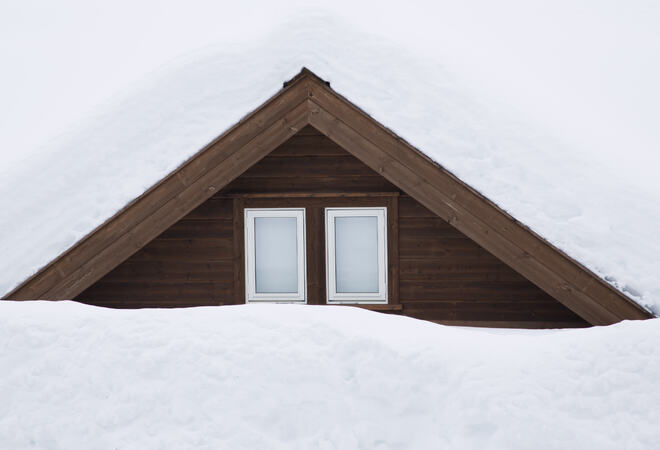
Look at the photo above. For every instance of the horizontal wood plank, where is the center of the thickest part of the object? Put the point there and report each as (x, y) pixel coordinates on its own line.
(137, 271)
(529, 324)
(311, 194)
(209, 228)
(309, 167)
(216, 207)
(330, 183)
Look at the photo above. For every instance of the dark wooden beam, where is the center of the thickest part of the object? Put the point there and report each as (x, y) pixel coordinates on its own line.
(530, 324)
(310, 194)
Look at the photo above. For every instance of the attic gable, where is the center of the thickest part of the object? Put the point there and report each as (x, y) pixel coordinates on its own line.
(439, 274)
(307, 100)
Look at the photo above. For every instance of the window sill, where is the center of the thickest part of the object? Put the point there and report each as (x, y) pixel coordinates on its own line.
(393, 307)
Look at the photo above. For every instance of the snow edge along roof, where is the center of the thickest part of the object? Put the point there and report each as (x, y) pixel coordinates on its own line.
(306, 99)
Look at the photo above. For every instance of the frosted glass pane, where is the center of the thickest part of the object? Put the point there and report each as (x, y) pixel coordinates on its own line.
(356, 254)
(276, 259)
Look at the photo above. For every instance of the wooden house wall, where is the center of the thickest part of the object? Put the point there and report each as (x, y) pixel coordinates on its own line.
(442, 275)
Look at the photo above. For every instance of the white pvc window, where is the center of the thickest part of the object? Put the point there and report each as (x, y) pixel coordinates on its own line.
(356, 255)
(275, 255)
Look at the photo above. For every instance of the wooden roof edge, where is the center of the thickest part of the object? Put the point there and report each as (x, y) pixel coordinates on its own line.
(304, 74)
(642, 312)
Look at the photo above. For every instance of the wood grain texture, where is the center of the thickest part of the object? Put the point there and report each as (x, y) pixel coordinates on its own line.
(190, 264)
(435, 271)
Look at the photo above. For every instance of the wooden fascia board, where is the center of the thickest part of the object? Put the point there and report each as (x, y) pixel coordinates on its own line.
(539, 261)
(197, 179)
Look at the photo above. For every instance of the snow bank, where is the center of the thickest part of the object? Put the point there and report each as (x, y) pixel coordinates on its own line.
(74, 183)
(307, 377)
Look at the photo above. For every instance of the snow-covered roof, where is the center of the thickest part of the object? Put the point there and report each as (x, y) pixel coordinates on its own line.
(551, 182)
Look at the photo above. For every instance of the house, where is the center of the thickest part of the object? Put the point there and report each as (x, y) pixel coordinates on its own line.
(310, 200)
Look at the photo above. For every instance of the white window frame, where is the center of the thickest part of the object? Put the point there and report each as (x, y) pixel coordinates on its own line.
(250, 281)
(334, 297)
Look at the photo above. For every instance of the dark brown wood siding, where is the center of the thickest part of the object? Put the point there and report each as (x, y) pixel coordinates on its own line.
(191, 263)
(443, 275)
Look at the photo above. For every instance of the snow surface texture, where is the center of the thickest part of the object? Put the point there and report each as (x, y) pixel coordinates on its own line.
(316, 377)
(77, 181)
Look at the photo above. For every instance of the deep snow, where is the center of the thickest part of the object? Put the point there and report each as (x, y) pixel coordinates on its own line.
(543, 175)
(317, 377)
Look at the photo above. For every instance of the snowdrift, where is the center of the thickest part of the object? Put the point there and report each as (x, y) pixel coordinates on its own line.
(307, 377)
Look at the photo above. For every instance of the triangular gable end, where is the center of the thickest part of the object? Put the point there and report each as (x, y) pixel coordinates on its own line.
(308, 100)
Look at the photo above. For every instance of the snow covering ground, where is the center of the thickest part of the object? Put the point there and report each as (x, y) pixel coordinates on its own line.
(575, 161)
(317, 377)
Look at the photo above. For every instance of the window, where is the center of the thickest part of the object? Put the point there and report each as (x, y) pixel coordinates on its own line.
(356, 255)
(275, 255)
